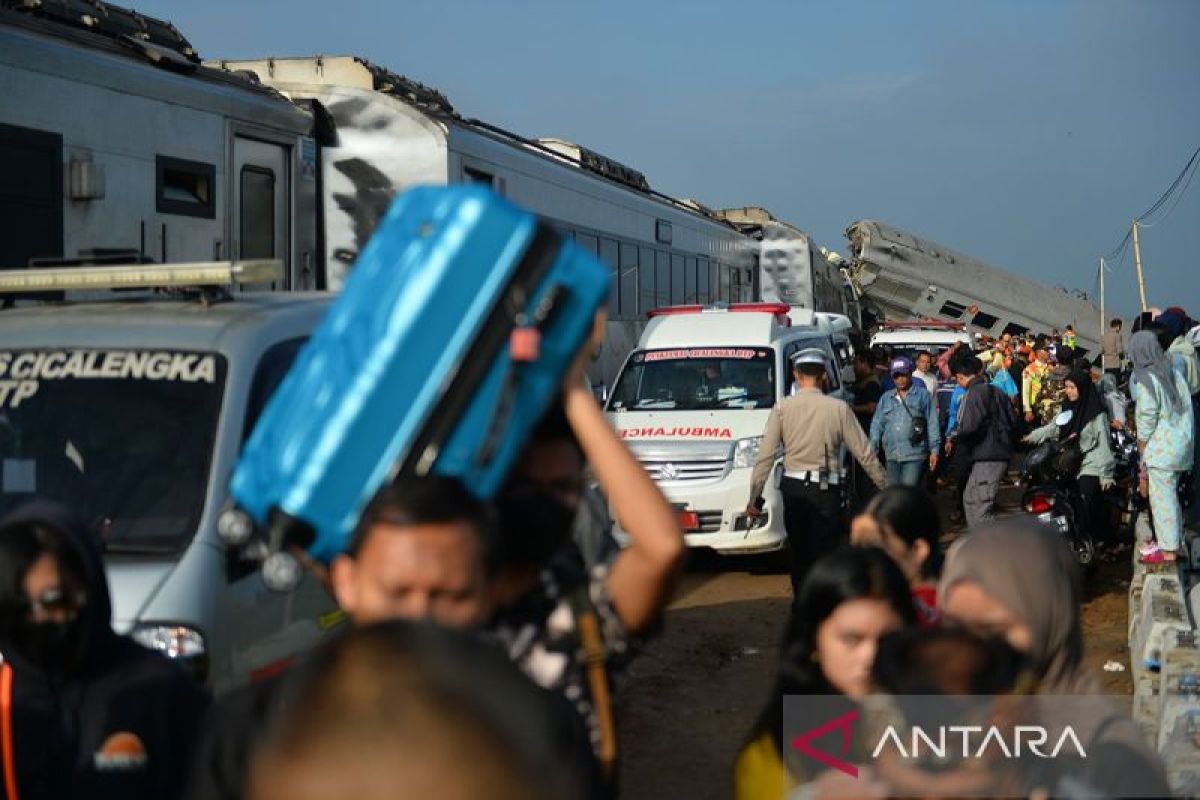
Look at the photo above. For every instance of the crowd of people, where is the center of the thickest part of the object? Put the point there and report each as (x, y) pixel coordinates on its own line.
(999, 613)
(486, 641)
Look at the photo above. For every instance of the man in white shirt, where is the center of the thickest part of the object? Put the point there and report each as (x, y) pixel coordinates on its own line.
(924, 372)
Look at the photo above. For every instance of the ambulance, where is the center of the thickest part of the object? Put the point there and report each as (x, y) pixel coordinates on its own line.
(692, 403)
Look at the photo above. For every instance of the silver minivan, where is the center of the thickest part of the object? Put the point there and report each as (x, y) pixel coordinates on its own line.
(133, 414)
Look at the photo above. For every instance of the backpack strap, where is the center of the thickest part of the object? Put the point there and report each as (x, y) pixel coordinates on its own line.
(592, 641)
(6, 733)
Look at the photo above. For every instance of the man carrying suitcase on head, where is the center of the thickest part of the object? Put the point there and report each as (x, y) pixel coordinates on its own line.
(811, 427)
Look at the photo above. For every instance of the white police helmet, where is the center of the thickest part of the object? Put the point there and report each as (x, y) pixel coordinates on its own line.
(810, 355)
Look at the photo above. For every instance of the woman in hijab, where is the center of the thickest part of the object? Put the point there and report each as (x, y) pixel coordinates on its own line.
(1018, 579)
(1165, 430)
(1088, 426)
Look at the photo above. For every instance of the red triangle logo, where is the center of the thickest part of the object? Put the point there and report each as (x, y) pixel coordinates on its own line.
(845, 723)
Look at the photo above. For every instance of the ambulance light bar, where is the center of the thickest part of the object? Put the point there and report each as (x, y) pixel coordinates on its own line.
(924, 324)
(778, 309)
(141, 276)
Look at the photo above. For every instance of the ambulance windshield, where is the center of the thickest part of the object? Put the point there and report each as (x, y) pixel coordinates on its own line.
(697, 379)
(122, 437)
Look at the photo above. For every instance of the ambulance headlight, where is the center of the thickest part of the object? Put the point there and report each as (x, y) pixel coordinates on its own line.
(176, 642)
(745, 451)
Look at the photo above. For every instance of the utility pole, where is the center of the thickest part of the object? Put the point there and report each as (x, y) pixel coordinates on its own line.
(1137, 260)
(1101, 295)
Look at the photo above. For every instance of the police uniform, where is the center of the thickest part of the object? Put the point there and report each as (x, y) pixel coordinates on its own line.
(812, 427)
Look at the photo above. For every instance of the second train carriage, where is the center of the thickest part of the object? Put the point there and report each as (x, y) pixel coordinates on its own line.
(386, 133)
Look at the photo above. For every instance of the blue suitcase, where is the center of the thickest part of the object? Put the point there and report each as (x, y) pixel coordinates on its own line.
(412, 372)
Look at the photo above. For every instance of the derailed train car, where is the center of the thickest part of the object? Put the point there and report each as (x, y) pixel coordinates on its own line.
(908, 277)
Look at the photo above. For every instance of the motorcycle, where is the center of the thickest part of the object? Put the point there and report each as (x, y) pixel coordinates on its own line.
(1052, 494)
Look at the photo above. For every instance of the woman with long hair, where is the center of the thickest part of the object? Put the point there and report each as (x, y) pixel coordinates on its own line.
(848, 600)
(903, 522)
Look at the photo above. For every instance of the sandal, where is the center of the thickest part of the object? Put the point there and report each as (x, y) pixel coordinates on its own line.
(1158, 557)
(1149, 547)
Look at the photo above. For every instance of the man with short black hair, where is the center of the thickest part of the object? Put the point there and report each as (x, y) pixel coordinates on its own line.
(867, 388)
(924, 372)
(985, 434)
(1111, 349)
(424, 548)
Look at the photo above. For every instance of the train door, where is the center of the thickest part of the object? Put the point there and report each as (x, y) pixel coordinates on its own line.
(259, 203)
(31, 207)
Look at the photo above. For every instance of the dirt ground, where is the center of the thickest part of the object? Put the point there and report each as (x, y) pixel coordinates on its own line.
(694, 693)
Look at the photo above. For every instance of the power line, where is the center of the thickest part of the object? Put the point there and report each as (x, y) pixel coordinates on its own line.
(1122, 246)
(1178, 196)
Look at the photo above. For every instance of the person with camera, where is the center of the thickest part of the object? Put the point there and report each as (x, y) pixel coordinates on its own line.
(905, 427)
(1082, 433)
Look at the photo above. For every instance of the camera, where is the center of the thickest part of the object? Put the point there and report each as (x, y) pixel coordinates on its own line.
(920, 430)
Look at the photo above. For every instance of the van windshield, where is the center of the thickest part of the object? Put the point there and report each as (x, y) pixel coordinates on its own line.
(696, 379)
(122, 437)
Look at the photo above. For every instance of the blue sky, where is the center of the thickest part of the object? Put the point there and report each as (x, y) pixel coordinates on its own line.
(1025, 133)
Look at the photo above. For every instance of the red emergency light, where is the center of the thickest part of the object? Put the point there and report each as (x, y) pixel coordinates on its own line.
(780, 310)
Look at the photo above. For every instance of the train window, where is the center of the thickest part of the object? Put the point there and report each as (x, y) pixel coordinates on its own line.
(662, 278)
(678, 281)
(1013, 329)
(587, 243)
(702, 281)
(472, 175)
(953, 310)
(257, 197)
(642, 299)
(619, 296)
(689, 281)
(185, 187)
(647, 297)
(724, 285)
(984, 320)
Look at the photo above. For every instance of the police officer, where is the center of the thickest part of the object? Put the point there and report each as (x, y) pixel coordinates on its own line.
(812, 429)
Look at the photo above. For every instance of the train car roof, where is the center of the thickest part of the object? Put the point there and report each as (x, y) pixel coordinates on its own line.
(357, 72)
(128, 34)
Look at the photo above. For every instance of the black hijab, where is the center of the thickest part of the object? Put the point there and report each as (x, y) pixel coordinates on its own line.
(1089, 405)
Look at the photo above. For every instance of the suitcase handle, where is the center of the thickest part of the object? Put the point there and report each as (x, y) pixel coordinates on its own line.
(540, 320)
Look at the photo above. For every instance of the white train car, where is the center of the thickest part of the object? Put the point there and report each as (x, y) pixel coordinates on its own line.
(389, 133)
(794, 269)
(118, 145)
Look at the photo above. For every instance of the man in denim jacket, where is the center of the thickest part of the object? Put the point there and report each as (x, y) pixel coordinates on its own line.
(895, 428)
